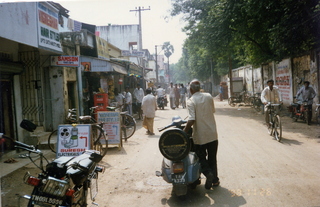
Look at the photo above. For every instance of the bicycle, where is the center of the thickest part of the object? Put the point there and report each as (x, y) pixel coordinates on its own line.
(99, 137)
(128, 123)
(274, 126)
(317, 113)
(239, 98)
(255, 102)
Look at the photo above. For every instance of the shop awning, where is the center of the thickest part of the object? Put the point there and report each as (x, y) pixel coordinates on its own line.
(119, 69)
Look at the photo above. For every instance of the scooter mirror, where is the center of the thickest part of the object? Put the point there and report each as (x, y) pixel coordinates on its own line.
(28, 125)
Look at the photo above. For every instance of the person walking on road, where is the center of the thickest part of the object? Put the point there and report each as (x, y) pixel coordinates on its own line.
(205, 137)
(183, 92)
(149, 107)
(307, 93)
(270, 94)
(138, 95)
(171, 96)
(176, 95)
(128, 101)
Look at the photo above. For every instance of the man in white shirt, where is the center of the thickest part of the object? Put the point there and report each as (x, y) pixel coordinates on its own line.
(149, 107)
(160, 93)
(171, 91)
(138, 95)
(128, 101)
(205, 137)
(270, 94)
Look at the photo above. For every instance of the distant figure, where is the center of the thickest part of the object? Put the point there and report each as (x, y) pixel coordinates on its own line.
(128, 101)
(138, 94)
(172, 96)
(221, 91)
(149, 107)
(307, 93)
(176, 95)
(183, 92)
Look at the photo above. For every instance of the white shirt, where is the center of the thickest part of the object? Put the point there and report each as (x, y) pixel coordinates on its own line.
(149, 106)
(119, 99)
(138, 94)
(128, 98)
(201, 109)
(171, 91)
(160, 92)
(273, 96)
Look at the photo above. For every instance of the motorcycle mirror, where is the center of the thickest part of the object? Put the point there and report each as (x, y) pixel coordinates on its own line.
(95, 157)
(28, 125)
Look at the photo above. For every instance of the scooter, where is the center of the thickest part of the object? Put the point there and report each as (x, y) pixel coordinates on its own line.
(300, 111)
(65, 181)
(180, 165)
(162, 102)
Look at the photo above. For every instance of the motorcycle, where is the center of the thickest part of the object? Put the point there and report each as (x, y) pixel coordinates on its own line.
(63, 182)
(162, 102)
(180, 165)
(300, 110)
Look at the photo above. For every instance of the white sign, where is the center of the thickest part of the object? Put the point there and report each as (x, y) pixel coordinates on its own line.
(73, 140)
(65, 61)
(283, 80)
(133, 53)
(48, 30)
(111, 120)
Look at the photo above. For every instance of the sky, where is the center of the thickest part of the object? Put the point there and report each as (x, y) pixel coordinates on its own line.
(157, 24)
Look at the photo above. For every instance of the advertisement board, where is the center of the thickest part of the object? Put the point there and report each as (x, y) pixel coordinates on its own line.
(111, 120)
(284, 80)
(73, 140)
(65, 61)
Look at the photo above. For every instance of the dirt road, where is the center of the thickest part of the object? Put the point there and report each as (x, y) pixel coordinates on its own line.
(254, 169)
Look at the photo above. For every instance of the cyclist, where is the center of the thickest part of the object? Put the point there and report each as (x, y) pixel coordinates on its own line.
(307, 93)
(271, 94)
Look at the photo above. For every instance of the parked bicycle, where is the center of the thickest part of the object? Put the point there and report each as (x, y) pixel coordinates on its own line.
(275, 126)
(238, 98)
(255, 102)
(99, 137)
(317, 113)
(128, 123)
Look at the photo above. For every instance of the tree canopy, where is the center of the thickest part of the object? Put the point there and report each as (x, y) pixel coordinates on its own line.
(245, 31)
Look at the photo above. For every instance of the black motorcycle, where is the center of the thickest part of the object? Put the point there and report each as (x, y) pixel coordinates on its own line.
(63, 182)
(162, 102)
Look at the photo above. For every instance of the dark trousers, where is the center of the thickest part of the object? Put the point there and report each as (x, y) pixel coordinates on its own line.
(207, 154)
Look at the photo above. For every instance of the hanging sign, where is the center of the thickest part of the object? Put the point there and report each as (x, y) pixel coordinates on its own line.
(120, 81)
(73, 140)
(65, 61)
(111, 120)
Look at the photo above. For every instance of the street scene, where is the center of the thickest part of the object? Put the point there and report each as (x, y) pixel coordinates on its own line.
(159, 103)
(254, 169)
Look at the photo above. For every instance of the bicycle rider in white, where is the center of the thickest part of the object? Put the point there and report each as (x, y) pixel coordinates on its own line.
(270, 94)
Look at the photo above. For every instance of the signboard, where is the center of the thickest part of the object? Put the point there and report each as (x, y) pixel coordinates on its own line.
(48, 30)
(283, 80)
(111, 120)
(73, 140)
(133, 53)
(65, 61)
(102, 47)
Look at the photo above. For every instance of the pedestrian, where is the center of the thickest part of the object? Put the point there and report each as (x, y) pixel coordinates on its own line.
(128, 102)
(205, 137)
(270, 94)
(307, 93)
(149, 107)
(138, 94)
(183, 92)
(171, 96)
(119, 98)
(176, 95)
(221, 91)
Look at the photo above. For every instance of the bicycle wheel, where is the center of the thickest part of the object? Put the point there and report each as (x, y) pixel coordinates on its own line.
(277, 128)
(52, 141)
(128, 126)
(257, 104)
(270, 129)
(99, 140)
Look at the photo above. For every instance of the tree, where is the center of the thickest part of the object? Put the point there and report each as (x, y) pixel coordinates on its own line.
(168, 50)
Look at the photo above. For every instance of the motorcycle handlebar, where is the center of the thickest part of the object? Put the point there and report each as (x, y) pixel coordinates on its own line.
(172, 124)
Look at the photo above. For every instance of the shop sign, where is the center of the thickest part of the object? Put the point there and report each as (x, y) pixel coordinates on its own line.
(102, 47)
(111, 120)
(48, 31)
(133, 53)
(65, 61)
(73, 140)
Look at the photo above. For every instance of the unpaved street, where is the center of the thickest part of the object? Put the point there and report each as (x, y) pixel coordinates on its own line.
(254, 169)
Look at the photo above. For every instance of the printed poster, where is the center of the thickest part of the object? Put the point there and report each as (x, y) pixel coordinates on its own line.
(111, 120)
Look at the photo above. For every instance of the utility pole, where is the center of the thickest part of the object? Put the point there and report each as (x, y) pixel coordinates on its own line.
(139, 9)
